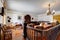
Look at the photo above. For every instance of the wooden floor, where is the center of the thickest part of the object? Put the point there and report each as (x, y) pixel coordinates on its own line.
(17, 34)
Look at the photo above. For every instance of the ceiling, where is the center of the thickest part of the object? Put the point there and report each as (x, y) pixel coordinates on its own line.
(33, 6)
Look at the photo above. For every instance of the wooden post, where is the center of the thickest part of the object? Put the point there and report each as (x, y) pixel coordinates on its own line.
(4, 13)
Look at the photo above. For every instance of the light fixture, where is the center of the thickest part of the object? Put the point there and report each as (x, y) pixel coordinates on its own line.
(53, 12)
(49, 10)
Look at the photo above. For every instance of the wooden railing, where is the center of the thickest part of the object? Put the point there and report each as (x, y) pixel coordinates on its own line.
(49, 34)
(33, 34)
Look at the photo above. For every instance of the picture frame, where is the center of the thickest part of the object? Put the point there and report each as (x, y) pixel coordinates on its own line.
(19, 17)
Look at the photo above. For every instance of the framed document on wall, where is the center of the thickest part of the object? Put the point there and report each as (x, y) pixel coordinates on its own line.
(19, 17)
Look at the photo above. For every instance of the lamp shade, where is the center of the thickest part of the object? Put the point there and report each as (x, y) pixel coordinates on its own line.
(53, 12)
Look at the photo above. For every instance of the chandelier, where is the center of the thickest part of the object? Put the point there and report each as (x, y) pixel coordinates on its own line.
(49, 11)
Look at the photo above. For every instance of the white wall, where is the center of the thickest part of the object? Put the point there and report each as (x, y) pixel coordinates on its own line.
(0, 17)
(45, 17)
(14, 16)
(40, 17)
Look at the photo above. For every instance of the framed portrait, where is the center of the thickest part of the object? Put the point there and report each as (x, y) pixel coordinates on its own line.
(19, 17)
